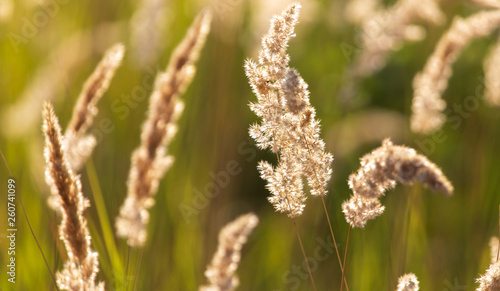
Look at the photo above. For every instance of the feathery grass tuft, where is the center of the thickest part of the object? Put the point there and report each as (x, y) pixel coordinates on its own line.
(221, 271)
(289, 127)
(408, 282)
(80, 270)
(429, 85)
(358, 210)
(150, 160)
(490, 281)
(380, 170)
(385, 30)
(78, 145)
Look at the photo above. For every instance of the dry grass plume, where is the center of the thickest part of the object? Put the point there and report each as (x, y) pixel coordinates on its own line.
(81, 268)
(150, 160)
(379, 171)
(221, 271)
(432, 81)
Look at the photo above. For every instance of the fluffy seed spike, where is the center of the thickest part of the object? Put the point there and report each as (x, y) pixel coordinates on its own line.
(358, 210)
(82, 266)
(429, 85)
(78, 145)
(275, 42)
(94, 88)
(295, 92)
(380, 170)
(490, 281)
(385, 30)
(389, 164)
(150, 160)
(221, 271)
(288, 127)
(408, 282)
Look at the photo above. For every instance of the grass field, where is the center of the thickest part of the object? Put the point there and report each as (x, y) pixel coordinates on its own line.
(49, 48)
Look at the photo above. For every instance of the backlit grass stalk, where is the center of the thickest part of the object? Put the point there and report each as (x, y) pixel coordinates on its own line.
(334, 241)
(313, 158)
(345, 259)
(150, 160)
(408, 282)
(379, 171)
(221, 273)
(432, 81)
(288, 125)
(266, 79)
(490, 281)
(81, 268)
(385, 30)
(78, 144)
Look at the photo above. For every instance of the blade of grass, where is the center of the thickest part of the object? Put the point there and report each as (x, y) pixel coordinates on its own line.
(334, 241)
(137, 268)
(98, 243)
(303, 253)
(345, 259)
(104, 221)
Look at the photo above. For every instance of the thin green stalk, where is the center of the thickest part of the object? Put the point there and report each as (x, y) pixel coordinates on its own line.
(137, 267)
(406, 230)
(345, 259)
(334, 241)
(304, 253)
(102, 214)
(127, 268)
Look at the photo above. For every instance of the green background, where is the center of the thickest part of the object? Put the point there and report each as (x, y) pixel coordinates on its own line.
(444, 241)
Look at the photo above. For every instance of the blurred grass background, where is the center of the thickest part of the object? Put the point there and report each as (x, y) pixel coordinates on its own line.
(444, 241)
